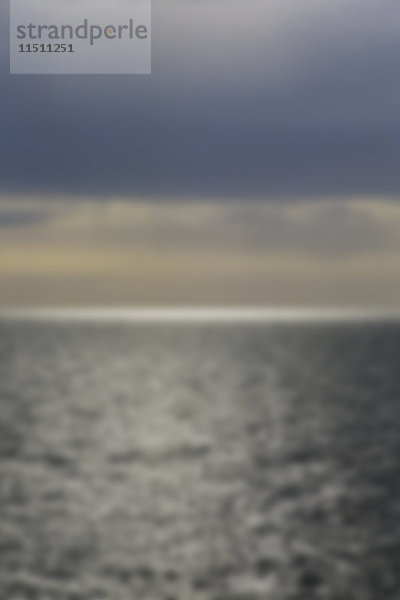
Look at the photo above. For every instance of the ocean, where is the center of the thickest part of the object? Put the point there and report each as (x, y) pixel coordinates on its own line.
(199, 461)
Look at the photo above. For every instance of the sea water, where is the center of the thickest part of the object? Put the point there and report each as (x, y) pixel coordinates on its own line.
(195, 461)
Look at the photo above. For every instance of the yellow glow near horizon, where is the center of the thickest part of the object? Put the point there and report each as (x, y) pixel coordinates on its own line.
(328, 253)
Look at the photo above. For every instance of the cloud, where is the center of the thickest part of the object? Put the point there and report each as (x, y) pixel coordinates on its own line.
(119, 252)
(248, 99)
(17, 218)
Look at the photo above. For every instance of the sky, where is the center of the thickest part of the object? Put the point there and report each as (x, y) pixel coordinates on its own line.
(257, 165)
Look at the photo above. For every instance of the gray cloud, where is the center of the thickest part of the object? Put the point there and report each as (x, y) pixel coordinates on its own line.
(246, 99)
(18, 218)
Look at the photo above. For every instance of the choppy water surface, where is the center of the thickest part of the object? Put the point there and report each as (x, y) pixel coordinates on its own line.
(199, 462)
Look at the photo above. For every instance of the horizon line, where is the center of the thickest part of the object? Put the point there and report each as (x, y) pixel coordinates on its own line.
(200, 314)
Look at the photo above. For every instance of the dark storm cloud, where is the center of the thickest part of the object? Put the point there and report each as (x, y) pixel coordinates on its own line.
(268, 100)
